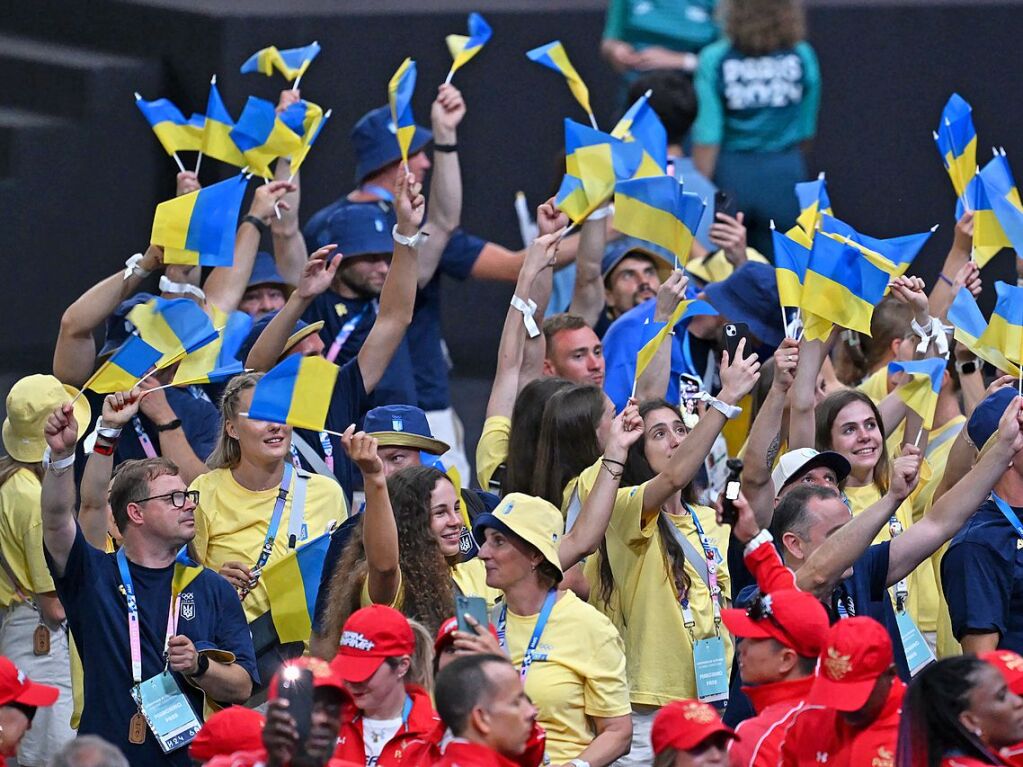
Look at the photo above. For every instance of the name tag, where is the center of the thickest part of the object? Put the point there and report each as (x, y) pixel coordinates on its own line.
(711, 669)
(918, 652)
(167, 711)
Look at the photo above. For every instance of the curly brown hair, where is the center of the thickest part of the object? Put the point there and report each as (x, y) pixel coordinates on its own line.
(428, 592)
(759, 27)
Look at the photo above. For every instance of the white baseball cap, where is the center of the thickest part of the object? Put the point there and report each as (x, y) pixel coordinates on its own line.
(797, 462)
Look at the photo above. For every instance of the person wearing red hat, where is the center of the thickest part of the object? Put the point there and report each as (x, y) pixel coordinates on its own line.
(852, 713)
(231, 729)
(783, 633)
(959, 712)
(688, 733)
(386, 722)
(1011, 666)
(19, 699)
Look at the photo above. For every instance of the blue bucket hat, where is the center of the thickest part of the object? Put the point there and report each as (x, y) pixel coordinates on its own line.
(360, 229)
(301, 330)
(402, 426)
(375, 141)
(625, 246)
(264, 271)
(118, 326)
(750, 295)
(983, 422)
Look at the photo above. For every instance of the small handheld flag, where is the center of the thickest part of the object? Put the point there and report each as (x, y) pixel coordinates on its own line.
(291, 62)
(216, 135)
(657, 210)
(399, 97)
(176, 326)
(199, 227)
(641, 123)
(464, 47)
(125, 368)
(553, 56)
(262, 136)
(297, 392)
(1005, 329)
(216, 361)
(970, 325)
(175, 133)
(813, 203)
(894, 255)
(956, 140)
(307, 120)
(841, 286)
(1000, 188)
(790, 262)
(683, 311)
(920, 393)
(292, 584)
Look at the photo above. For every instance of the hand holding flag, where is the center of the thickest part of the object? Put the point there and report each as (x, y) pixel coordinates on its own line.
(399, 97)
(920, 391)
(199, 228)
(464, 47)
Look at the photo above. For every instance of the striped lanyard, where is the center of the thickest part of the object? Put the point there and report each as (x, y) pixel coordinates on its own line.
(275, 522)
(147, 444)
(712, 575)
(534, 640)
(347, 329)
(133, 619)
(895, 529)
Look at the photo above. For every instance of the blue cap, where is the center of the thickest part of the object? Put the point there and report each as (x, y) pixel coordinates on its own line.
(984, 420)
(119, 327)
(750, 295)
(625, 246)
(375, 141)
(301, 330)
(360, 229)
(264, 271)
(402, 426)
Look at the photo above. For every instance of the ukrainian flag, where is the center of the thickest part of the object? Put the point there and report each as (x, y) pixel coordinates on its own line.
(1003, 195)
(553, 56)
(618, 160)
(658, 211)
(307, 120)
(216, 361)
(641, 124)
(894, 254)
(842, 286)
(464, 47)
(683, 311)
(970, 325)
(175, 326)
(1005, 329)
(399, 96)
(126, 367)
(920, 393)
(957, 142)
(199, 227)
(292, 584)
(262, 136)
(988, 236)
(813, 203)
(297, 392)
(175, 133)
(216, 136)
(790, 262)
(291, 62)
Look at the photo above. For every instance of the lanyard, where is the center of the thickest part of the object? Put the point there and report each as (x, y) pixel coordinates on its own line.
(901, 588)
(275, 521)
(1009, 513)
(133, 618)
(346, 331)
(712, 576)
(379, 191)
(147, 444)
(328, 450)
(534, 641)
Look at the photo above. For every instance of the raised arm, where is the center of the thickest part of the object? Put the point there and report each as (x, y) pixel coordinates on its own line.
(802, 426)
(654, 381)
(549, 220)
(58, 493)
(290, 252)
(958, 256)
(173, 442)
(588, 293)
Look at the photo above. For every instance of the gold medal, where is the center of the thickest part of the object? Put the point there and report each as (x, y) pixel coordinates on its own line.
(137, 729)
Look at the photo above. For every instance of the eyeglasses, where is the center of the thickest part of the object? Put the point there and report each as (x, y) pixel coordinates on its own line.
(177, 498)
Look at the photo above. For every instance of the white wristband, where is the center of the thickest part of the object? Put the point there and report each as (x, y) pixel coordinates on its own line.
(764, 536)
(526, 308)
(602, 212)
(728, 411)
(131, 266)
(57, 466)
(410, 242)
(181, 288)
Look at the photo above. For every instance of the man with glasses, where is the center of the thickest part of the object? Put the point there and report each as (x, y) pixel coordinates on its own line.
(157, 633)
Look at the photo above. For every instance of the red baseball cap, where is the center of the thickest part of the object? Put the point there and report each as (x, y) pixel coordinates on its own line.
(857, 651)
(15, 687)
(685, 724)
(324, 674)
(794, 618)
(1010, 664)
(446, 631)
(232, 729)
(371, 635)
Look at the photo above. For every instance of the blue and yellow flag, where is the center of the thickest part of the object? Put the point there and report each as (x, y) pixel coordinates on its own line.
(988, 236)
(216, 361)
(1005, 328)
(790, 261)
(297, 392)
(464, 47)
(306, 119)
(262, 136)
(176, 327)
(970, 325)
(126, 367)
(291, 62)
(683, 312)
(199, 227)
(920, 393)
(893, 254)
(399, 97)
(841, 285)
(175, 133)
(813, 203)
(292, 584)
(640, 123)
(657, 210)
(956, 139)
(553, 56)
(216, 136)
(1003, 195)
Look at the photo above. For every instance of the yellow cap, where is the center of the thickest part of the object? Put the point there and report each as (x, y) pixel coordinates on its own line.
(534, 520)
(715, 267)
(29, 403)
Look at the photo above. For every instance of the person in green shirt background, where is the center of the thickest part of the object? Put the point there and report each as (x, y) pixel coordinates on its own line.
(758, 94)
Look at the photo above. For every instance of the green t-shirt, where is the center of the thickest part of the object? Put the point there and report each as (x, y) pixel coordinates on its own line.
(679, 25)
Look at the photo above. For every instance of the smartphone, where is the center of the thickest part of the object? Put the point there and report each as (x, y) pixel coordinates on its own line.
(729, 514)
(295, 685)
(735, 332)
(474, 606)
(725, 203)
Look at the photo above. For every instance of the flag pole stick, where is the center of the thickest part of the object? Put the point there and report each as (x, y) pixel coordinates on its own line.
(181, 165)
(277, 209)
(566, 231)
(298, 79)
(198, 162)
(451, 73)
(919, 434)
(784, 321)
(593, 121)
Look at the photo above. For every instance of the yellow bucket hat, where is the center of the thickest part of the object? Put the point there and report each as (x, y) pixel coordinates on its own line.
(534, 520)
(29, 403)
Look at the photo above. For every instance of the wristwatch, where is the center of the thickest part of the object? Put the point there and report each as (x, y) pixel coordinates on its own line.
(967, 368)
(203, 665)
(411, 242)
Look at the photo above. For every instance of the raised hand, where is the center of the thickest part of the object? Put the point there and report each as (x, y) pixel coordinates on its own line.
(738, 376)
(287, 98)
(362, 449)
(187, 182)
(963, 239)
(1010, 436)
(118, 408)
(910, 291)
(786, 360)
(61, 431)
(626, 429)
(266, 196)
(671, 293)
(905, 473)
(968, 277)
(409, 203)
(729, 234)
(549, 219)
(446, 113)
(318, 272)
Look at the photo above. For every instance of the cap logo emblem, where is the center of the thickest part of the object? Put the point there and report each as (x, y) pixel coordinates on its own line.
(1012, 661)
(884, 758)
(507, 508)
(21, 676)
(356, 641)
(397, 424)
(392, 127)
(379, 225)
(699, 713)
(836, 665)
(188, 606)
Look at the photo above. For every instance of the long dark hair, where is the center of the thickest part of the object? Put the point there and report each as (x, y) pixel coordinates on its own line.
(637, 470)
(827, 414)
(527, 416)
(930, 725)
(425, 573)
(568, 440)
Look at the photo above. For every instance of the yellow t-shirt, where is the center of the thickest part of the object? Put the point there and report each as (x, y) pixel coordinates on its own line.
(875, 385)
(492, 449)
(231, 523)
(21, 537)
(578, 671)
(470, 579)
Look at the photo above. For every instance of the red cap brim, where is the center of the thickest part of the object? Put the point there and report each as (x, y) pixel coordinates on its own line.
(841, 696)
(691, 738)
(357, 668)
(38, 695)
(741, 625)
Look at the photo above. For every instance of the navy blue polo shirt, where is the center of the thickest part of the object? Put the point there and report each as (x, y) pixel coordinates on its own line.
(982, 577)
(200, 420)
(91, 592)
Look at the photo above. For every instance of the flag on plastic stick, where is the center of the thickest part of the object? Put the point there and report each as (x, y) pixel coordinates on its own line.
(307, 119)
(290, 62)
(1000, 187)
(175, 133)
(920, 393)
(125, 368)
(199, 227)
(216, 362)
(988, 236)
(216, 135)
(641, 124)
(685, 310)
(841, 285)
(965, 316)
(464, 47)
(399, 97)
(553, 56)
(292, 584)
(186, 570)
(894, 255)
(813, 203)
(176, 326)
(790, 262)
(297, 392)
(658, 211)
(1005, 328)
(956, 139)
(262, 136)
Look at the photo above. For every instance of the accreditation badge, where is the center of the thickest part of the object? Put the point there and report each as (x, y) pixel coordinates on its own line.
(711, 669)
(167, 712)
(918, 652)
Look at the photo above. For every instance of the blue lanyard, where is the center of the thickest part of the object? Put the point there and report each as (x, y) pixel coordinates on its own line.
(1009, 513)
(379, 191)
(687, 355)
(275, 521)
(405, 711)
(534, 641)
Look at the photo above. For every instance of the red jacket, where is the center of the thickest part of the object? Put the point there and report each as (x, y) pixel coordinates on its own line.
(819, 736)
(533, 756)
(761, 737)
(765, 564)
(462, 753)
(257, 759)
(966, 761)
(1013, 755)
(411, 745)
